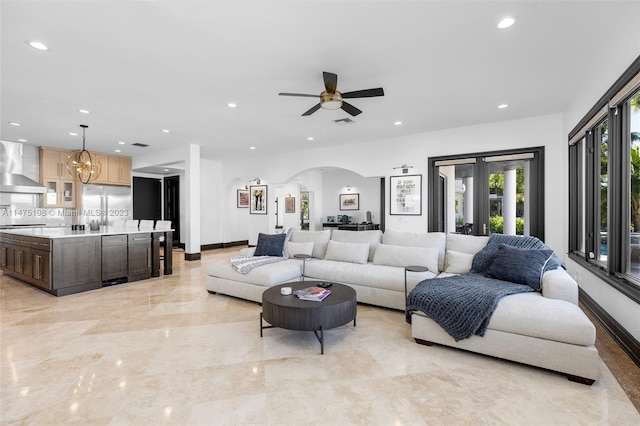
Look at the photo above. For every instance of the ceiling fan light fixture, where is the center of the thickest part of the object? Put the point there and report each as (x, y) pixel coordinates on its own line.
(330, 100)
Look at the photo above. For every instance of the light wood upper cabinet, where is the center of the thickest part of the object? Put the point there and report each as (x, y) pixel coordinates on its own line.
(119, 170)
(53, 164)
(116, 170)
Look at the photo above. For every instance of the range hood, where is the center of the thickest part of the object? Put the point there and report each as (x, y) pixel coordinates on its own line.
(11, 171)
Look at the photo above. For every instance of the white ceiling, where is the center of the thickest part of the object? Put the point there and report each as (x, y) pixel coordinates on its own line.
(143, 66)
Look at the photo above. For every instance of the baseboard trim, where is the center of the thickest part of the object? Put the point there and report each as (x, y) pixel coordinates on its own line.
(626, 341)
(192, 256)
(223, 245)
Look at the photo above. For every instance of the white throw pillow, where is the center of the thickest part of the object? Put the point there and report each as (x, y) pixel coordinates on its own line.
(300, 248)
(407, 256)
(418, 239)
(347, 252)
(470, 244)
(373, 238)
(458, 262)
(319, 239)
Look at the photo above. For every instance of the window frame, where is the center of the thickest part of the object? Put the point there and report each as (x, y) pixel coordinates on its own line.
(614, 272)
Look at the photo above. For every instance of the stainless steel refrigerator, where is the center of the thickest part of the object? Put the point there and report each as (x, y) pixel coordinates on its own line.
(106, 204)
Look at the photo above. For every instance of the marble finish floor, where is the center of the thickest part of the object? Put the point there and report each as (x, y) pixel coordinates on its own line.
(164, 351)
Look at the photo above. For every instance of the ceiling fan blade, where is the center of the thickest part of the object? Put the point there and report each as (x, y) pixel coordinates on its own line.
(367, 93)
(312, 110)
(303, 95)
(330, 81)
(350, 109)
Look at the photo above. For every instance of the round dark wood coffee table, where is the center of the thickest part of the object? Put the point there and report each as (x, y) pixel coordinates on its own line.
(289, 312)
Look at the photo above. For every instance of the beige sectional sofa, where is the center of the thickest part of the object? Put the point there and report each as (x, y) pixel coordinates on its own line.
(545, 329)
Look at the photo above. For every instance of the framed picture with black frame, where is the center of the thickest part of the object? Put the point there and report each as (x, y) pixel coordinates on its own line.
(349, 201)
(405, 195)
(243, 198)
(258, 199)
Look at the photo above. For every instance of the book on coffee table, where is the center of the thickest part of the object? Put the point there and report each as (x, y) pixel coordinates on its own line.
(312, 293)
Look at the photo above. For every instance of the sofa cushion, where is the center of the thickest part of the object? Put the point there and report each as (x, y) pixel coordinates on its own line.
(300, 248)
(390, 255)
(372, 238)
(457, 262)
(531, 314)
(347, 252)
(270, 245)
(320, 240)
(369, 275)
(418, 239)
(470, 244)
(518, 265)
(266, 275)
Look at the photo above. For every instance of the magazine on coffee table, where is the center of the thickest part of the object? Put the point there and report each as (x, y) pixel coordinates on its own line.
(316, 294)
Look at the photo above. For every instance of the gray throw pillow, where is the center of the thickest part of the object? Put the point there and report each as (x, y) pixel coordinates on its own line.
(520, 266)
(270, 245)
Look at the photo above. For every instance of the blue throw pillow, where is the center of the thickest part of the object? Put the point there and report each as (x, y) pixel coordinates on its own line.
(520, 266)
(270, 245)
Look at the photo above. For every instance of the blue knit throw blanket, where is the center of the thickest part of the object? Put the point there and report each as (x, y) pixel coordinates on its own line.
(462, 304)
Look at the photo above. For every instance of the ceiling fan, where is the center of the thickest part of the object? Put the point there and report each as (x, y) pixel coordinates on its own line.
(331, 98)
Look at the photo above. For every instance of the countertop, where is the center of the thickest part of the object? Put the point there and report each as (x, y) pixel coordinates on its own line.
(66, 232)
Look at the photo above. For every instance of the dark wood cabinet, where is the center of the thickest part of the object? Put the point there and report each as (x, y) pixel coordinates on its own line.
(71, 264)
(115, 259)
(139, 256)
(76, 264)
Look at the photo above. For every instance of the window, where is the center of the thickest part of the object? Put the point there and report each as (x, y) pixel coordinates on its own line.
(604, 186)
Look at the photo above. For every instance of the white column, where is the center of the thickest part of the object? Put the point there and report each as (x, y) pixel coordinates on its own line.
(192, 203)
(468, 200)
(509, 202)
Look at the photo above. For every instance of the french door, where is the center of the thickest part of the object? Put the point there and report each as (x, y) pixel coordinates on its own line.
(490, 192)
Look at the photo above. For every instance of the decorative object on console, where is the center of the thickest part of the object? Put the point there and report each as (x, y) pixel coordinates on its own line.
(243, 198)
(349, 201)
(289, 204)
(406, 195)
(258, 199)
(331, 98)
(83, 164)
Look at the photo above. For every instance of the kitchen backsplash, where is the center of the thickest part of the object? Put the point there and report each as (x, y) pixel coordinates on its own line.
(26, 209)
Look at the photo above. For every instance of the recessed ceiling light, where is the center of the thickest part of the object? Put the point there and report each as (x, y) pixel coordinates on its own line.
(37, 45)
(397, 123)
(252, 147)
(506, 22)
(166, 170)
(13, 123)
(232, 105)
(22, 140)
(84, 111)
(117, 150)
(165, 130)
(310, 138)
(502, 106)
(121, 143)
(73, 133)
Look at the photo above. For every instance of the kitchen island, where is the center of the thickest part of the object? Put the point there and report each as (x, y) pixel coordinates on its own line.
(63, 261)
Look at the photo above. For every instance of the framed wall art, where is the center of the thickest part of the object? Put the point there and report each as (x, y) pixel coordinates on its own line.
(349, 201)
(289, 204)
(243, 198)
(405, 195)
(258, 199)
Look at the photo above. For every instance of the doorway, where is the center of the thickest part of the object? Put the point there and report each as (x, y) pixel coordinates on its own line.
(146, 199)
(490, 192)
(172, 205)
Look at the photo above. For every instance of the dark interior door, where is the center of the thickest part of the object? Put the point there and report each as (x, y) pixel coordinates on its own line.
(172, 205)
(147, 195)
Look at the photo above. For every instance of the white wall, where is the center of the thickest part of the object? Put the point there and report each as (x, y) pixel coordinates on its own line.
(381, 156)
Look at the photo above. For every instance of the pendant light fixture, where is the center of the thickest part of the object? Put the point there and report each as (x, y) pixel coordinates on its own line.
(83, 164)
